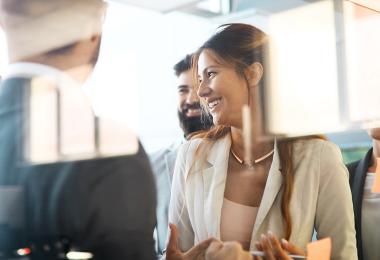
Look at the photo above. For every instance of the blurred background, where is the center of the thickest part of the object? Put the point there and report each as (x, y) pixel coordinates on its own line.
(330, 55)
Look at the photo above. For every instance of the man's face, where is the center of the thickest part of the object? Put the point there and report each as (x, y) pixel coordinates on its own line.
(189, 109)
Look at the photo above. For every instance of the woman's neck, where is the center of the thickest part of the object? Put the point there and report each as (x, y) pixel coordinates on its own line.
(259, 146)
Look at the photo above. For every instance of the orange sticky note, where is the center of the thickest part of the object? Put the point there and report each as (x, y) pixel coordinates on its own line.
(376, 182)
(319, 250)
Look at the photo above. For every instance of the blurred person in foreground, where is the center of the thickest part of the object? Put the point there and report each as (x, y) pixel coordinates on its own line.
(104, 206)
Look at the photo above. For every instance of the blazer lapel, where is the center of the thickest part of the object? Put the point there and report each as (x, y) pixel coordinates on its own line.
(272, 188)
(214, 181)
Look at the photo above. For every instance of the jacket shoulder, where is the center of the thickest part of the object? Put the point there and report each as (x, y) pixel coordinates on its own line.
(315, 148)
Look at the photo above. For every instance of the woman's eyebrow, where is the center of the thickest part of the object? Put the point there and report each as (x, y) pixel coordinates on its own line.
(209, 67)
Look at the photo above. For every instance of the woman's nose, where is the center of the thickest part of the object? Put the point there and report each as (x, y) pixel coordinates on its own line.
(203, 90)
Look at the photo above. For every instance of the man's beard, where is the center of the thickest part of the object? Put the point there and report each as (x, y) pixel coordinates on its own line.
(195, 123)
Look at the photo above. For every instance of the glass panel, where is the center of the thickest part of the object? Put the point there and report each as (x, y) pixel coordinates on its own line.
(302, 95)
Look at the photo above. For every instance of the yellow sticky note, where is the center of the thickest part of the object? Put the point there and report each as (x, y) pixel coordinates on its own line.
(319, 250)
(376, 182)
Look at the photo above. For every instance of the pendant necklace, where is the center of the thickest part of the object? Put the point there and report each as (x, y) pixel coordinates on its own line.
(256, 161)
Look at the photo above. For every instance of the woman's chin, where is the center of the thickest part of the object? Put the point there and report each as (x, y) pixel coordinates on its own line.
(218, 121)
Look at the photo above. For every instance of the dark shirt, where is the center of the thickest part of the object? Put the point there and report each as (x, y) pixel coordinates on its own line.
(105, 206)
(358, 171)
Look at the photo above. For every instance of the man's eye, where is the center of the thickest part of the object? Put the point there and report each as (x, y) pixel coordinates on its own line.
(183, 90)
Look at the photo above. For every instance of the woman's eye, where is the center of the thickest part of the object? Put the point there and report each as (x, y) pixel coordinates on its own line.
(211, 74)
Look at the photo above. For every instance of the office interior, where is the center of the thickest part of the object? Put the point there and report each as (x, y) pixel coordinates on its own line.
(326, 51)
(150, 36)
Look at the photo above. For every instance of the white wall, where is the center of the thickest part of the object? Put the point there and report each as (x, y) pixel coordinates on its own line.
(140, 48)
(134, 81)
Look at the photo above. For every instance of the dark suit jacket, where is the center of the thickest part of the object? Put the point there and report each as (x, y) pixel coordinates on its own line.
(358, 171)
(106, 206)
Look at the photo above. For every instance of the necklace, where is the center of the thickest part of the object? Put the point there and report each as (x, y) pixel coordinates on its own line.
(262, 158)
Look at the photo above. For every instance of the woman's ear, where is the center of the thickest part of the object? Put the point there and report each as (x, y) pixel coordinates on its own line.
(254, 73)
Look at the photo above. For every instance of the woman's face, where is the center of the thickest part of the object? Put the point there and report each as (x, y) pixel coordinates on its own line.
(223, 90)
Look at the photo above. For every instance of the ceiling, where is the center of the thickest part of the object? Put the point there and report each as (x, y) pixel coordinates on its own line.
(194, 6)
(197, 7)
(159, 5)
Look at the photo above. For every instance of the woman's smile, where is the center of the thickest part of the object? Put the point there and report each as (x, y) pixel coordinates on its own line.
(213, 104)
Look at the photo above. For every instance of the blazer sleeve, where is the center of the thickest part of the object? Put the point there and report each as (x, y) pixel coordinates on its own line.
(178, 209)
(334, 213)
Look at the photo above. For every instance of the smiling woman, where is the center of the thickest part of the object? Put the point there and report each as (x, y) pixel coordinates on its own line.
(291, 187)
(226, 89)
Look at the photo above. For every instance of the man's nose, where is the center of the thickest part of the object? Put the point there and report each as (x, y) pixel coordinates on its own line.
(192, 97)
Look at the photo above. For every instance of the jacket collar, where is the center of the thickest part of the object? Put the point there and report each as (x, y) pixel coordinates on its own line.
(214, 180)
(220, 151)
(272, 188)
(214, 176)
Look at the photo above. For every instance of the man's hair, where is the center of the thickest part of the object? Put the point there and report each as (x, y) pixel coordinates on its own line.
(183, 65)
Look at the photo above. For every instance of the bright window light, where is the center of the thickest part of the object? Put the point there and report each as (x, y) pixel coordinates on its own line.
(303, 83)
(362, 31)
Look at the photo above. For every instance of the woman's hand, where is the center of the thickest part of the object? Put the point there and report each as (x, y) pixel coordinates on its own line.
(227, 251)
(276, 250)
(173, 252)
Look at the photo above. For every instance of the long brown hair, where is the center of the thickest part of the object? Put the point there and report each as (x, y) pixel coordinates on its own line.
(240, 45)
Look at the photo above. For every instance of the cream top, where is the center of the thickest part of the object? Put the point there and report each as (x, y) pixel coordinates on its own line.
(237, 222)
(370, 220)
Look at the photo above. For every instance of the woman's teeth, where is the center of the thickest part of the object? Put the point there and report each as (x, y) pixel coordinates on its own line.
(214, 103)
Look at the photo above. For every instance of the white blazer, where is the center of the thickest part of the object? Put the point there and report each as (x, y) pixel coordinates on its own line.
(321, 197)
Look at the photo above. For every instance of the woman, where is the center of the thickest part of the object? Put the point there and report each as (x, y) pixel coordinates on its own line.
(290, 188)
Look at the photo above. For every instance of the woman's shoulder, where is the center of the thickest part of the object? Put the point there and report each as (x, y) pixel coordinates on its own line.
(320, 152)
(202, 149)
(190, 146)
(194, 144)
(316, 146)
(321, 155)
(188, 149)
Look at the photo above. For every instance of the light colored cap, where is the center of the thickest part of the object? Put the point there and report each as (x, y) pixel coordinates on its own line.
(34, 27)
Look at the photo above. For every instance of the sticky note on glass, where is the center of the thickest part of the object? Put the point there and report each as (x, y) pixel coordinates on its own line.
(376, 182)
(319, 250)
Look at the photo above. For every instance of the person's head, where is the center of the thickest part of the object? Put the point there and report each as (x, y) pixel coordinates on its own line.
(189, 109)
(60, 33)
(230, 70)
